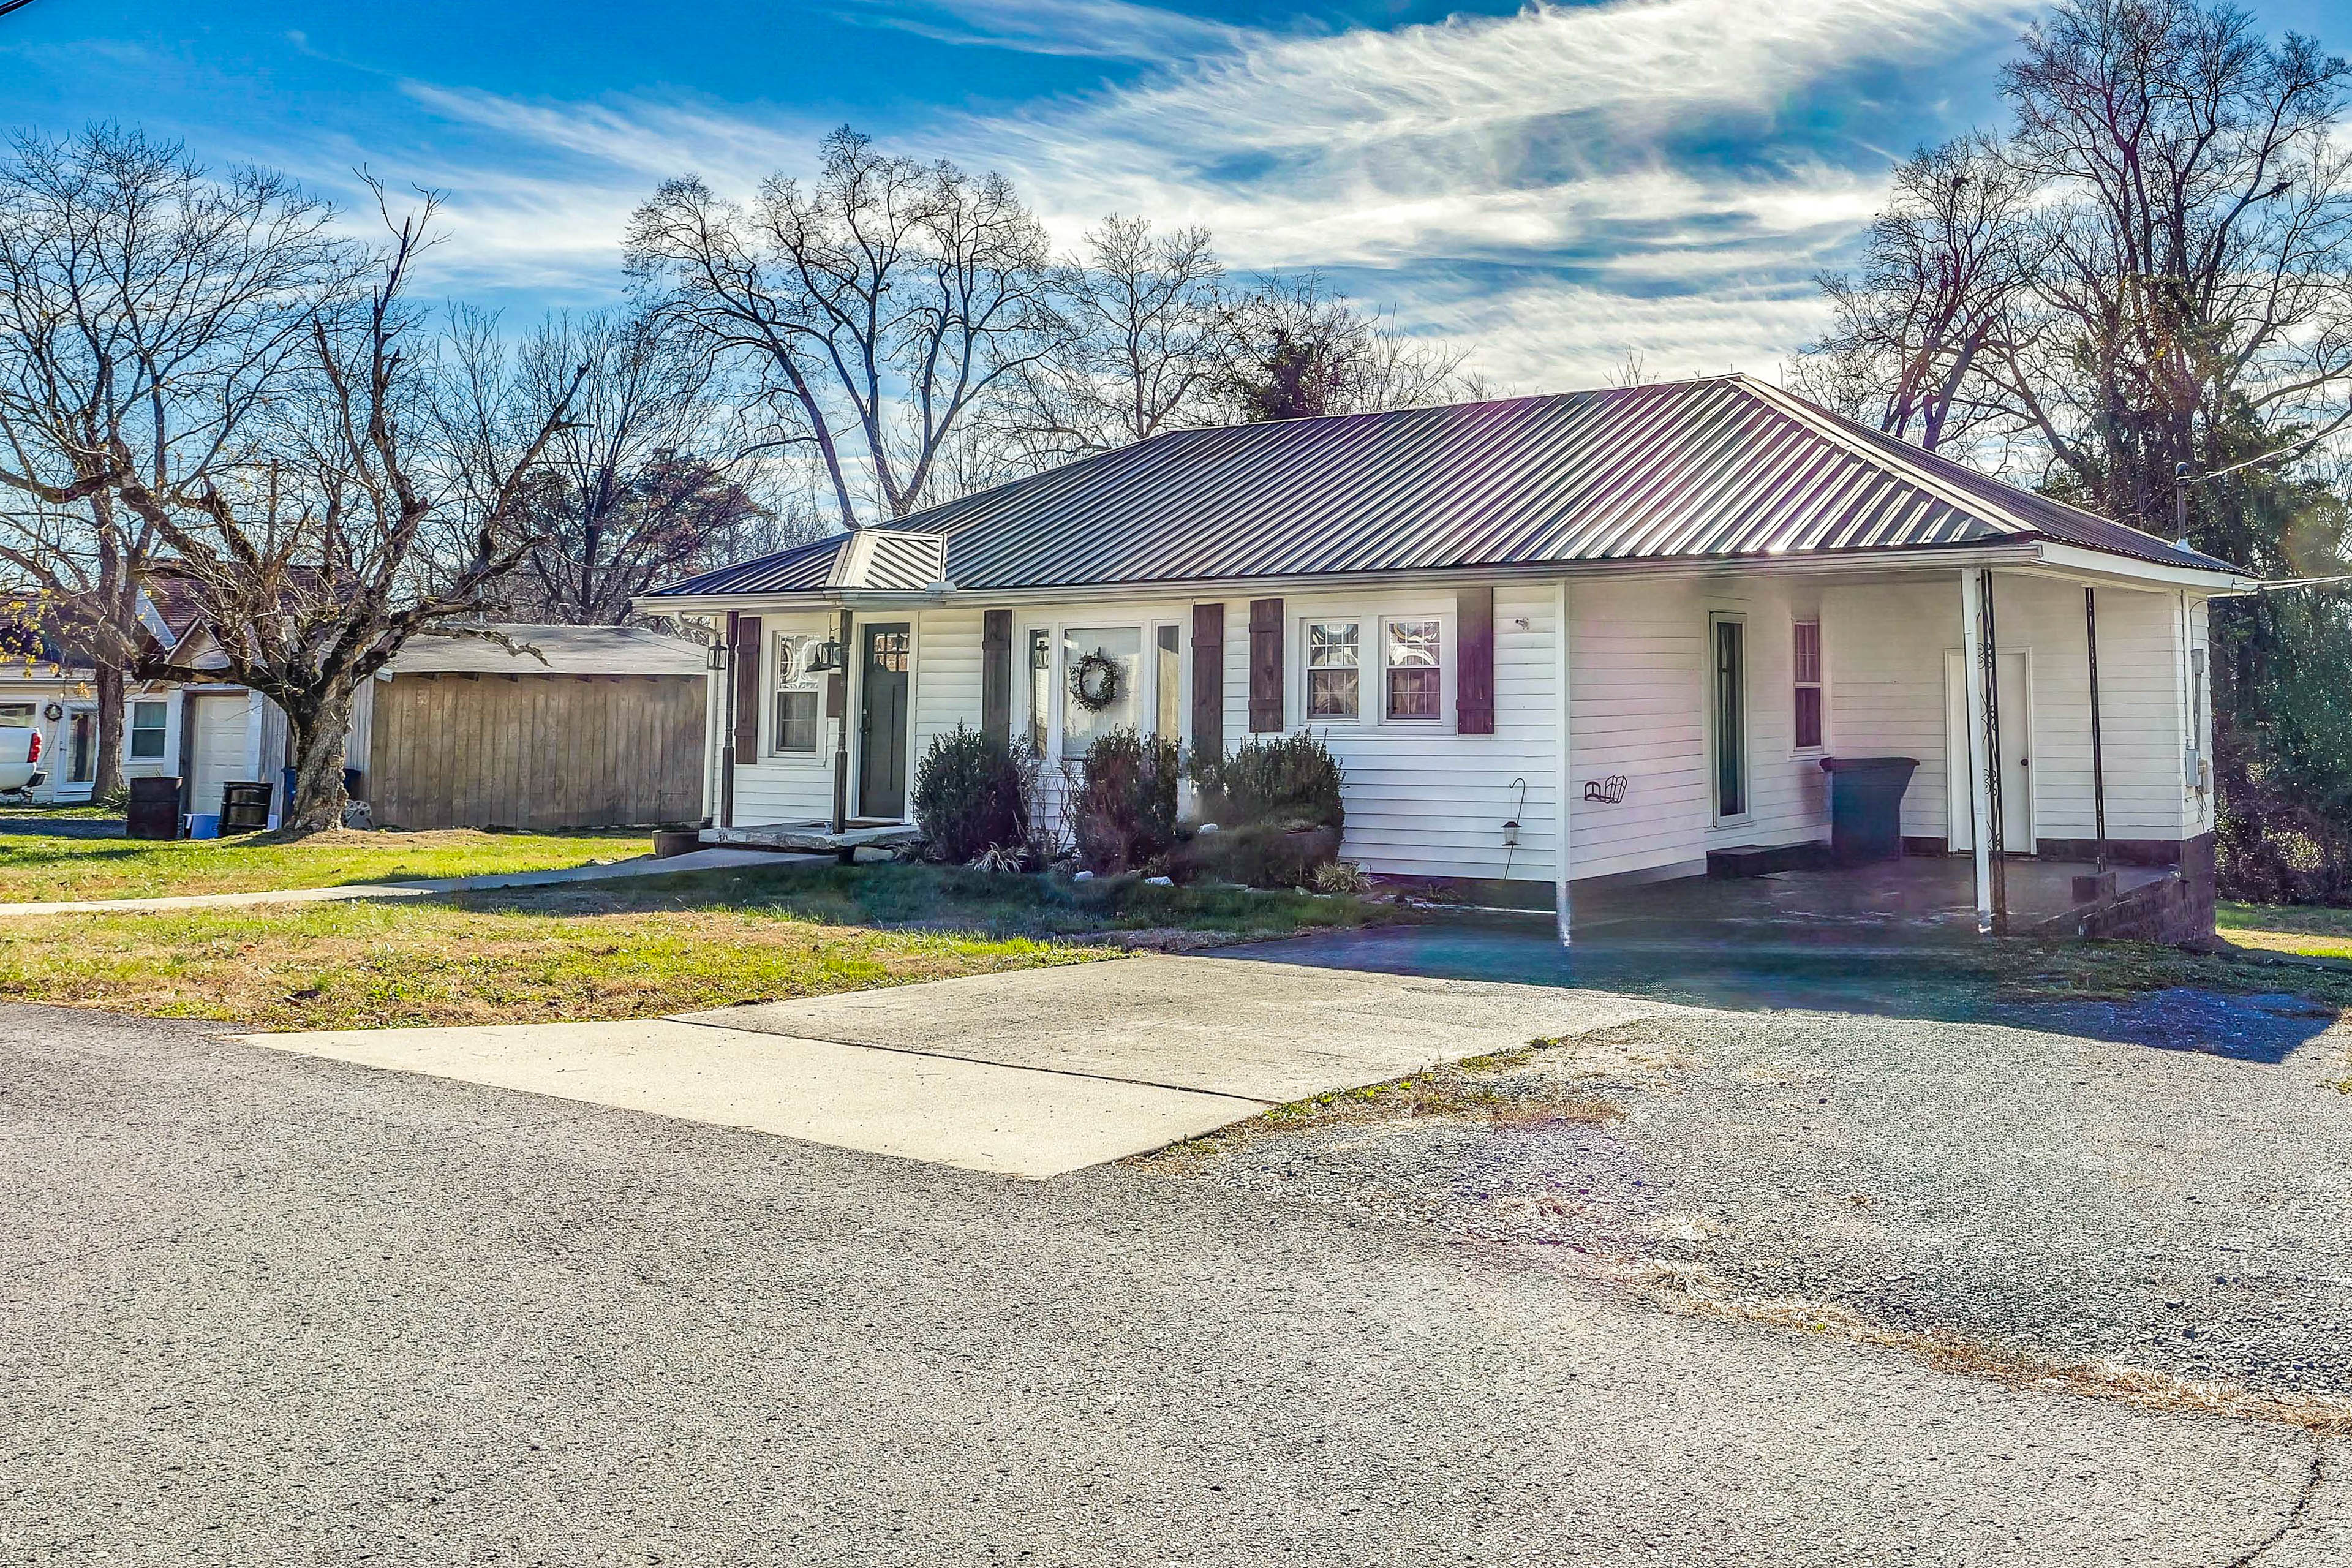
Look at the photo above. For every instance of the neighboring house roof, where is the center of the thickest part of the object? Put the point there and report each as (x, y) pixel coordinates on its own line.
(1723, 469)
(566, 650)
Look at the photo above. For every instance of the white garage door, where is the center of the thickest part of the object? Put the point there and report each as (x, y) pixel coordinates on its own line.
(219, 749)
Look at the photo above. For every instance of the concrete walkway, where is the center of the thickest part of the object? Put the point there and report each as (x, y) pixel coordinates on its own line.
(1034, 1073)
(642, 866)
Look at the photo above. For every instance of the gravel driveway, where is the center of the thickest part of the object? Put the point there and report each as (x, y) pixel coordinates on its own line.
(2164, 1183)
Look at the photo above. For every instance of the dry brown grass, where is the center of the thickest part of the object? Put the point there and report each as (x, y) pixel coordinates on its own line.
(1497, 1090)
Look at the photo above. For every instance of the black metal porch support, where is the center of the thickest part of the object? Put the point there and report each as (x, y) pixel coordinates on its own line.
(1989, 651)
(2098, 746)
(836, 699)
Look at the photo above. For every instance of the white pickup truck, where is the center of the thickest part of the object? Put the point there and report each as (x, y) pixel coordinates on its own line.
(20, 759)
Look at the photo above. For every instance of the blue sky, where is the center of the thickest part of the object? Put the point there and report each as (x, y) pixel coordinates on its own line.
(1556, 184)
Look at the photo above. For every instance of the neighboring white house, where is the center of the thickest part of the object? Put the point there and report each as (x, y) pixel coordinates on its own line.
(1632, 622)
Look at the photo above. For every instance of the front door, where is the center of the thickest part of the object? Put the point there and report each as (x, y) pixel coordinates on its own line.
(2015, 713)
(882, 723)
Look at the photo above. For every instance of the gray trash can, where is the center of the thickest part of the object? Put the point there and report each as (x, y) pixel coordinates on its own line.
(1866, 806)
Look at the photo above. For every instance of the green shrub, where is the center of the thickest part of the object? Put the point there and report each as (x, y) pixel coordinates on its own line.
(968, 797)
(1123, 811)
(1259, 854)
(1288, 781)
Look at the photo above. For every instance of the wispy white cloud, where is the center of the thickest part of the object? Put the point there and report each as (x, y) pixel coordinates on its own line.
(1559, 184)
(1105, 29)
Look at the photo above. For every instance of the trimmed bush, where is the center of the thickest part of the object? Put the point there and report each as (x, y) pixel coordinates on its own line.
(1123, 811)
(1278, 810)
(968, 797)
(1288, 781)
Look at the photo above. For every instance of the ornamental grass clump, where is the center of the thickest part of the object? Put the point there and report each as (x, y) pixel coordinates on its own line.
(968, 797)
(1123, 808)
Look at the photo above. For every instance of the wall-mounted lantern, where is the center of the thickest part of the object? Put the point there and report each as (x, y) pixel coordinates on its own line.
(828, 657)
(718, 654)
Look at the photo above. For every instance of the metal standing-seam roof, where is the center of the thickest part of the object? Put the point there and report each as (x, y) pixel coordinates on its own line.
(1723, 469)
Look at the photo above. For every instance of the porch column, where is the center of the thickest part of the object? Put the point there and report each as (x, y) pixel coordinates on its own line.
(1972, 676)
(713, 717)
(1563, 791)
(2098, 746)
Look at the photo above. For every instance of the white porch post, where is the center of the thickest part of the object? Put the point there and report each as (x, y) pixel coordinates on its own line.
(1563, 794)
(1979, 799)
(712, 758)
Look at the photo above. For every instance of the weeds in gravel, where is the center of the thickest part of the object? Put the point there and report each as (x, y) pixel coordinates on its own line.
(1494, 1090)
(1688, 1292)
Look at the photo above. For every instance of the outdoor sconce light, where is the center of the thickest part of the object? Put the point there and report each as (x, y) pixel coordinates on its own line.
(827, 656)
(717, 652)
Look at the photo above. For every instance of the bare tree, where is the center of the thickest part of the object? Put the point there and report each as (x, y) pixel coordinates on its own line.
(1939, 281)
(651, 477)
(1146, 335)
(1297, 349)
(878, 304)
(2194, 249)
(146, 309)
(302, 558)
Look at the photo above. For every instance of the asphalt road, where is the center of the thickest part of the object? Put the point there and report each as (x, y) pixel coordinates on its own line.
(257, 1307)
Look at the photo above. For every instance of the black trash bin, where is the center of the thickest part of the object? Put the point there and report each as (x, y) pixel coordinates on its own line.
(245, 807)
(1866, 806)
(154, 808)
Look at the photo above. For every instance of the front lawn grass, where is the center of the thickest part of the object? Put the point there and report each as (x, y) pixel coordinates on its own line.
(612, 950)
(37, 868)
(2308, 931)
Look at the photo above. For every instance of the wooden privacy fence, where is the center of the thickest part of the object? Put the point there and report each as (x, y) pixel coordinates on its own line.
(536, 752)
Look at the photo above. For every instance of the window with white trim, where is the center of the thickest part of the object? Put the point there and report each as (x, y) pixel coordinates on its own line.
(1412, 670)
(1805, 668)
(1334, 672)
(147, 730)
(798, 714)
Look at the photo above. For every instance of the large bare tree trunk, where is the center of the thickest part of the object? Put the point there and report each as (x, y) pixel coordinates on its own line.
(319, 735)
(107, 782)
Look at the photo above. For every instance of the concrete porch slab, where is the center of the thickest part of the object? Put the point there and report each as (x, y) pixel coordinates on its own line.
(943, 1109)
(1267, 1032)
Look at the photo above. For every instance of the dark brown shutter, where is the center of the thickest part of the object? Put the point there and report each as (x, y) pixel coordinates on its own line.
(746, 660)
(1209, 680)
(1265, 665)
(996, 674)
(1473, 658)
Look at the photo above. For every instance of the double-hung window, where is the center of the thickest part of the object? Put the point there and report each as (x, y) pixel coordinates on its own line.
(147, 730)
(1806, 675)
(1333, 673)
(797, 723)
(1412, 670)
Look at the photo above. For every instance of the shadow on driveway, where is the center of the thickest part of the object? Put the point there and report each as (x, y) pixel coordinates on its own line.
(2016, 983)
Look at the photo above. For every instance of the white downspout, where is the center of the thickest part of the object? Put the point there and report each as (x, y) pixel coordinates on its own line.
(1980, 800)
(1563, 795)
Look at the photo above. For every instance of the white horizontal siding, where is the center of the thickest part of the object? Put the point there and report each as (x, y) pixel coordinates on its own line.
(1426, 800)
(770, 788)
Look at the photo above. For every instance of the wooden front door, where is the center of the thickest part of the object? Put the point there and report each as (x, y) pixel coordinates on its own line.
(882, 723)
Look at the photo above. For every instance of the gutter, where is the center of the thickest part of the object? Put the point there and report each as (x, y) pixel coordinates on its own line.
(2020, 551)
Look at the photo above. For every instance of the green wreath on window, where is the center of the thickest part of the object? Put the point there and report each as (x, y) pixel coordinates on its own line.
(1095, 681)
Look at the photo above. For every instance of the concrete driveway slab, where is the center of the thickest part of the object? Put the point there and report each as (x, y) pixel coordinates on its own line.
(1270, 1032)
(942, 1110)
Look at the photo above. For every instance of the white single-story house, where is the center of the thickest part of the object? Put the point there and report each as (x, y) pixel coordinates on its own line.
(1594, 635)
